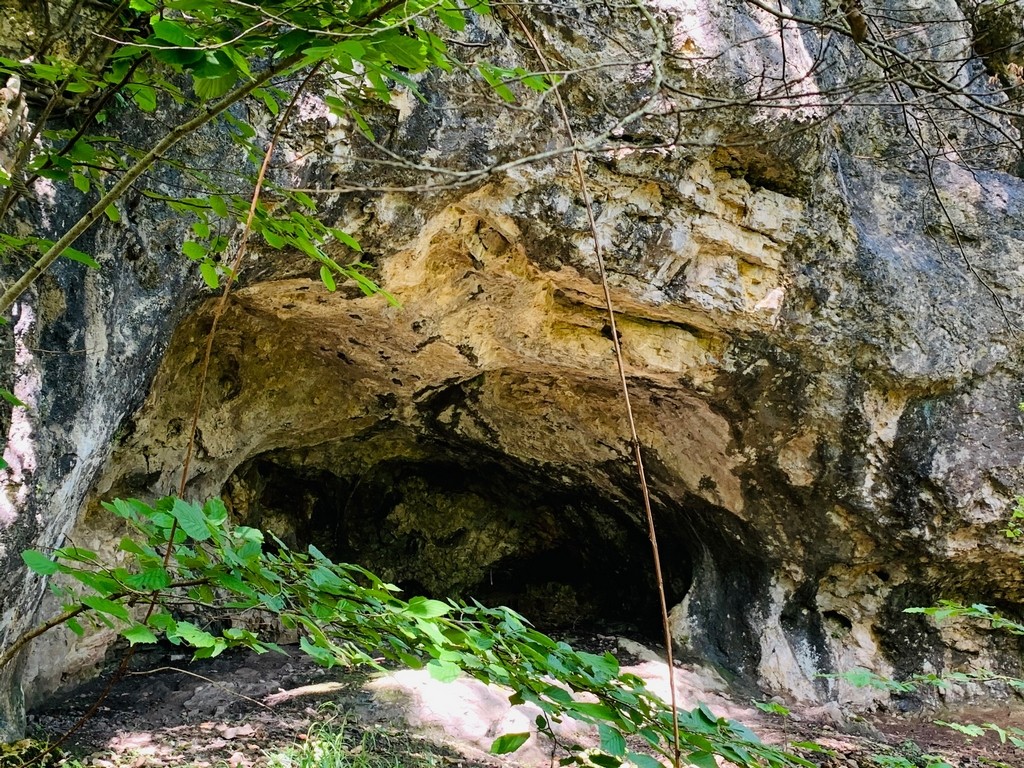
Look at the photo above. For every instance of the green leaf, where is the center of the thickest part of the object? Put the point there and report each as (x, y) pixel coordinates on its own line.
(508, 742)
(403, 52)
(273, 239)
(218, 205)
(813, 746)
(143, 95)
(99, 583)
(968, 729)
(238, 60)
(495, 78)
(112, 213)
(557, 693)
(268, 100)
(103, 605)
(163, 621)
(194, 636)
(327, 278)
(39, 563)
(81, 258)
(172, 33)
(149, 580)
(81, 182)
(232, 583)
(708, 715)
(215, 511)
(612, 740)
(595, 710)
(443, 671)
(771, 707)
(347, 239)
(213, 87)
(320, 655)
(209, 272)
(179, 58)
(643, 761)
(292, 41)
(10, 398)
(75, 627)
(451, 15)
(702, 760)
(191, 519)
(139, 633)
(604, 665)
(536, 83)
(193, 250)
(215, 64)
(305, 201)
(76, 554)
(363, 126)
(209, 651)
(427, 609)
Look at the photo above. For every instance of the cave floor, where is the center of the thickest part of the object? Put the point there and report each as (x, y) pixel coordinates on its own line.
(246, 711)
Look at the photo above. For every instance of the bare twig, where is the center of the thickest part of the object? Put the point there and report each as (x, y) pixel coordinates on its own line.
(620, 363)
(221, 306)
(204, 678)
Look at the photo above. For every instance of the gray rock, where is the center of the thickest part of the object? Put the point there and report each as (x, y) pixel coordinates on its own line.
(820, 338)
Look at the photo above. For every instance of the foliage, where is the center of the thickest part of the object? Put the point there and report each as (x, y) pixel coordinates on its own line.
(329, 744)
(862, 678)
(1012, 735)
(951, 609)
(946, 609)
(772, 708)
(898, 761)
(27, 751)
(12, 400)
(346, 615)
(199, 59)
(1013, 529)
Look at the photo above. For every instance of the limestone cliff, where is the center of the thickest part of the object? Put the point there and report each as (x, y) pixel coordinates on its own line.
(818, 303)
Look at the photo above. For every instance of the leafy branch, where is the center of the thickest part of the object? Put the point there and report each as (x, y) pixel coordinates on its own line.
(141, 166)
(370, 45)
(346, 615)
(952, 609)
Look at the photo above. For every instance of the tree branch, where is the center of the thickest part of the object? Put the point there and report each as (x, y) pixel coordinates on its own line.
(117, 191)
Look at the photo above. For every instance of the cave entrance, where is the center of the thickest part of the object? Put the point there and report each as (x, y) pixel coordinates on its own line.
(561, 552)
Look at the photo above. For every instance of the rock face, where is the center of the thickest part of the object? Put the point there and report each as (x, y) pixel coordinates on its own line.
(818, 316)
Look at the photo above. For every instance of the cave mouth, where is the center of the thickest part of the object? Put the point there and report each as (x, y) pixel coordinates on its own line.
(565, 554)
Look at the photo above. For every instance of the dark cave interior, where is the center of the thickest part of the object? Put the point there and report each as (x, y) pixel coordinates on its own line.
(564, 555)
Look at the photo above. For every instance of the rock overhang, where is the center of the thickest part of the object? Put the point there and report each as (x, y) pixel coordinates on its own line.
(820, 377)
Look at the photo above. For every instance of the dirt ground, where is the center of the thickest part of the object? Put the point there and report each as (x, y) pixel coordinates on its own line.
(242, 710)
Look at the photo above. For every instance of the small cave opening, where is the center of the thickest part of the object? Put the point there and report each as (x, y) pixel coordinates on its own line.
(566, 554)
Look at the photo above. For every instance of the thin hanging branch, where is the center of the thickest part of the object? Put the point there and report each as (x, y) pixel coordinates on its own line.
(11, 195)
(117, 191)
(620, 363)
(122, 668)
(222, 303)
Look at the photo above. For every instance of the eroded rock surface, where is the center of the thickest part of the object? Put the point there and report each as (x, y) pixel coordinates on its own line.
(819, 336)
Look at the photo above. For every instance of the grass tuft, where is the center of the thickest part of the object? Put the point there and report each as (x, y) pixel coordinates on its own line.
(329, 743)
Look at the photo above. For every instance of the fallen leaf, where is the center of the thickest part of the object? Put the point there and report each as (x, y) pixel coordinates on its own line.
(235, 732)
